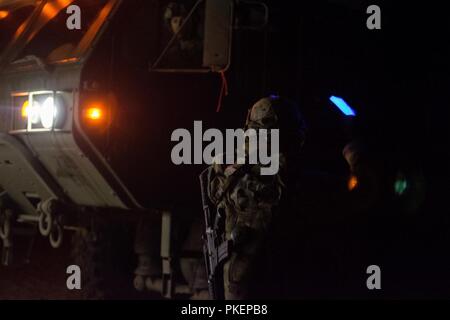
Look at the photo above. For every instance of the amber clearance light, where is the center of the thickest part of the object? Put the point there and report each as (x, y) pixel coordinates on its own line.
(25, 109)
(352, 183)
(3, 14)
(94, 113)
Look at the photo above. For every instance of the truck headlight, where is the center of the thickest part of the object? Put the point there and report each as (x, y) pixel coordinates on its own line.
(48, 113)
(31, 112)
(43, 110)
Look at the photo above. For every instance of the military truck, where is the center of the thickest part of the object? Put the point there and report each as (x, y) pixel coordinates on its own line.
(86, 115)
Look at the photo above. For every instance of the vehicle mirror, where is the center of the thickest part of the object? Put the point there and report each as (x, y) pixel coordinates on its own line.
(196, 37)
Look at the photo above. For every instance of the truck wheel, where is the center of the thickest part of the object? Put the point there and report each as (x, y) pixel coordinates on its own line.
(101, 256)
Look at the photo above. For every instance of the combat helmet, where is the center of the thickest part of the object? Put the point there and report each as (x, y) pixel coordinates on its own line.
(275, 112)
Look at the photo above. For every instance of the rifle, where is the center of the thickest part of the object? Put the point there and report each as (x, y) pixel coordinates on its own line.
(216, 248)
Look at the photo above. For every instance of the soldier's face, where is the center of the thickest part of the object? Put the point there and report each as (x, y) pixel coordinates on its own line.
(176, 23)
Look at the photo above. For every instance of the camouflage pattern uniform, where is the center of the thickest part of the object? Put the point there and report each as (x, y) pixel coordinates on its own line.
(250, 200)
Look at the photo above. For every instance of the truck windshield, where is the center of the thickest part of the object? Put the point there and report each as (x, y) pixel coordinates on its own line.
(50, 39)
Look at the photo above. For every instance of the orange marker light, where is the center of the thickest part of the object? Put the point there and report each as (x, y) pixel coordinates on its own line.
(94, 113)
(352, 183)
(25, 109)
(3, 14)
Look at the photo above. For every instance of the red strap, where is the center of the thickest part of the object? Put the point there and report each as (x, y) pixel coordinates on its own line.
(223, 90)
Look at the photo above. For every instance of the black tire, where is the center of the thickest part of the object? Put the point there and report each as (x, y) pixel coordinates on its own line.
(105, 257)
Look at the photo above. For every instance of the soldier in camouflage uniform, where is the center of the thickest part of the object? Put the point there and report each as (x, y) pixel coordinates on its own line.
(251, 201)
